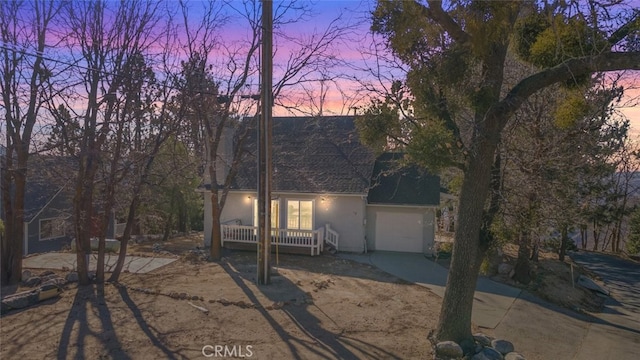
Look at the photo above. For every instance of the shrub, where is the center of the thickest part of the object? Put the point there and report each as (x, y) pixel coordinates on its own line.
(633, 240)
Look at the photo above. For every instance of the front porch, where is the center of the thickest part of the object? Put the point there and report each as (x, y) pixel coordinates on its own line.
(312, 241)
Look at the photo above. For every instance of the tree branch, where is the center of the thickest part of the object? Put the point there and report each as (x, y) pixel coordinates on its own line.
(569, 69)
(625, 30)
(437, 14)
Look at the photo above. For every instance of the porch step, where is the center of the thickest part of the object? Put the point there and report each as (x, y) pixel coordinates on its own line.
(329, 248)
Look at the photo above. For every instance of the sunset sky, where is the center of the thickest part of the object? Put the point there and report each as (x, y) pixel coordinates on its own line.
(356, 12)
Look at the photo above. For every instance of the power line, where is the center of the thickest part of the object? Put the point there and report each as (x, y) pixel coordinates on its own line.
(34, 53)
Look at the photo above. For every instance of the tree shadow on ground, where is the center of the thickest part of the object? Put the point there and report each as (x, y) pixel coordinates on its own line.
(320, 341)
(144, 326)
(89, 298)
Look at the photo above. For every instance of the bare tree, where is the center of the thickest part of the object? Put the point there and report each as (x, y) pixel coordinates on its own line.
(25, 29)
(103, 39)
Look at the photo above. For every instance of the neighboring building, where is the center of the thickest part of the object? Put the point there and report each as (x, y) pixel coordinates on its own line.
(47, 220)
(323, 175)
(48, 210)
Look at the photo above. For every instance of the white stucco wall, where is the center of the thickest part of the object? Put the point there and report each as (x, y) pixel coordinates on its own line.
(238, 206)
(344, 213)
(428, 223)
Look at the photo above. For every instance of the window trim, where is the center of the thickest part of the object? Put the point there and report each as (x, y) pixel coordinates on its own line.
(254, 212)
(64, 232)
(313, 213)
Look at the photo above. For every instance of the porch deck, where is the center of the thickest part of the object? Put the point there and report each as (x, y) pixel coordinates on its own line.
(311, 240)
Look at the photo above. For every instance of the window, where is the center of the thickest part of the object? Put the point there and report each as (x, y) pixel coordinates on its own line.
(300, 214)
(52, 228)
(275, 215)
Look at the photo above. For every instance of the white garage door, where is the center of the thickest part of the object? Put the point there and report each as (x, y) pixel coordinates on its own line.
(399, 232)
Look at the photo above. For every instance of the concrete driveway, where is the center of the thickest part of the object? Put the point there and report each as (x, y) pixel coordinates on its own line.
(620, 276)
(538, 329)
(492, 300)
(59, 260)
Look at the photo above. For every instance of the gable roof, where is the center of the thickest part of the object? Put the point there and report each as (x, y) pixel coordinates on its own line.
(312, 155)
(45, 182)
(396, 184)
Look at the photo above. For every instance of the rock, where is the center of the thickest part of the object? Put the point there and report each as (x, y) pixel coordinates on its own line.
(57, 281)
(72, 277)
(514, 356)
(174, 295)
(487, 354)
(449, 349)
(195, 297)
(504, 269)
(482, 339)
(46, 278)
(32, 281)
(502, 346)
(19, 301)
(46, 273)
(468, 346)
(183, 296)
(26, 274)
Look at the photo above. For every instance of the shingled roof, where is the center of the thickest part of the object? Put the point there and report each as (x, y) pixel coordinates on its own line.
(46, 180)
(397, 184)
(313, 155)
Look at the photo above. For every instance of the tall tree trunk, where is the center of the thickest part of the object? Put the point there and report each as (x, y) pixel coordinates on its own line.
(126, 236)
(83, 218)
(455, 314)
(12, 241)
(133, 206)
(168, 225)
(596, 236)
(535, 252)
(216, 234)
(523, 267)
(584, 234)
(564, 242)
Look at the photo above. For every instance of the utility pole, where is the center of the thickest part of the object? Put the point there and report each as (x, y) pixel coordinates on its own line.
(264, 147)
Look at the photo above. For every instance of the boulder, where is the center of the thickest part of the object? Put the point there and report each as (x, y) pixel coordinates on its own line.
(504, 269)
(449, 349)
(72, 277)
(482, 339)
(57, 281)
(468, 346)
(487, 354)
(26, 274)
(502, 346)
(514, 356)
(32, 281)
(46, 273)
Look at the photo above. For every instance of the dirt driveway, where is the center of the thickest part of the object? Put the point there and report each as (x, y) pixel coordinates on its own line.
(317, 308)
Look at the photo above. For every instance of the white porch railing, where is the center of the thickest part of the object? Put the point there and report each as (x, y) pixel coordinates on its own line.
(331, 237)
(312, 239)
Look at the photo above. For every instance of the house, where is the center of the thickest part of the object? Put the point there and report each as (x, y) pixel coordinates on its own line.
(47, 216)
(48, 206)
(326, 184)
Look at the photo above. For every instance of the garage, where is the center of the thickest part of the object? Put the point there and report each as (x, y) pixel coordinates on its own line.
(399, 231)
